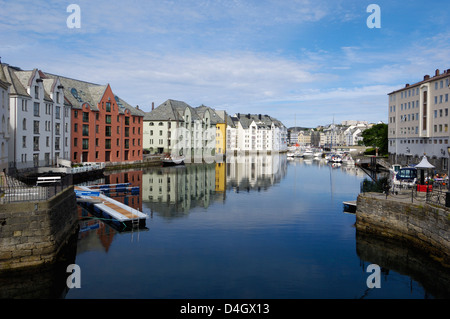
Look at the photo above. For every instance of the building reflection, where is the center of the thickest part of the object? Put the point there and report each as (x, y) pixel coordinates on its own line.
(255, 172)
(174, 191)
(95, 233)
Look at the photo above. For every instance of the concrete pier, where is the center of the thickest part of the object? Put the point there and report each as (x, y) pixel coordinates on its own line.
(33, 233)
(417, 223)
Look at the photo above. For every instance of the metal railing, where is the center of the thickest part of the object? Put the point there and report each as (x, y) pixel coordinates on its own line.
(30, 193)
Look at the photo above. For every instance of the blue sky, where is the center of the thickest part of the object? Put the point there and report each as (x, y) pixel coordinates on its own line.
(303, 62)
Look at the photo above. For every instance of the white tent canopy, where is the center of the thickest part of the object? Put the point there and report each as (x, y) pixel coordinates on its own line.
(424, 164)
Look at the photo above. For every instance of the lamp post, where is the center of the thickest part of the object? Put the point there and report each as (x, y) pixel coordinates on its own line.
(447, 195)
(448, 168)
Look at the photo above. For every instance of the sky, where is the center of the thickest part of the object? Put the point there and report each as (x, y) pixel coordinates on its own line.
(304, 62)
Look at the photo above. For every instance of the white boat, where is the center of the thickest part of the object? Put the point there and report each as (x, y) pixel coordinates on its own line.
(308, 154)
(348, 160)
(290, 154)
(170, 160)
(335, 158)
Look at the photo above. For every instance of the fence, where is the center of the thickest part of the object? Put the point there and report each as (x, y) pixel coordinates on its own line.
(26, 193)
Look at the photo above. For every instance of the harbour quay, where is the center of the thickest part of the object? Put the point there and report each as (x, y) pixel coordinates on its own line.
(406, 218)
(35, 224)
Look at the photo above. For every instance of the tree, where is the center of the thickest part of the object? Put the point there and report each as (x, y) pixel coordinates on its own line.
(377, 136)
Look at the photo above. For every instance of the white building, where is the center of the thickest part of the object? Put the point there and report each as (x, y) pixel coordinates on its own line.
(39, 120)
(175, 127)
(4, 128)
(419, 121)
(256, 132)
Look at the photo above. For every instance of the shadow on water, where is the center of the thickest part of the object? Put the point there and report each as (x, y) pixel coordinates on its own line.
(43, 282)
(405, 260)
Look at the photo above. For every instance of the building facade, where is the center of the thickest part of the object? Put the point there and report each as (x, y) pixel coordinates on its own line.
(4, 128)
(177, 128)
(39, 120)
(104, 127)
(419, 121)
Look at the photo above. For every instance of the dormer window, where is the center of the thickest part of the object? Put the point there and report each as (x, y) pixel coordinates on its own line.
(36, 92)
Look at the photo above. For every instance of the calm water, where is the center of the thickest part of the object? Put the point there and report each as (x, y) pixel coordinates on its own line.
(265, 228)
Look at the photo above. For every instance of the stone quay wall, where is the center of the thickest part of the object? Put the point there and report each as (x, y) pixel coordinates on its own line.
(33, 233)
(419, 224)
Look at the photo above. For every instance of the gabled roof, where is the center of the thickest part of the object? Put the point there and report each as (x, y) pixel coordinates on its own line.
(171, 110)
(8, 74)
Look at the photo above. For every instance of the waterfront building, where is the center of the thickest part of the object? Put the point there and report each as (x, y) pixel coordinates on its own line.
(257, 132)
(221, 132)
(419, 121)
(39, 119)
(175, 127)
(4, 128)
(104, 127)
(304, 138)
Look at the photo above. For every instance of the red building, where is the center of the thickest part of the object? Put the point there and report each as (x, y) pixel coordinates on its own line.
(104, 127)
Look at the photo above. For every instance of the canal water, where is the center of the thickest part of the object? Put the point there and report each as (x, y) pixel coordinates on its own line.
(256, 227)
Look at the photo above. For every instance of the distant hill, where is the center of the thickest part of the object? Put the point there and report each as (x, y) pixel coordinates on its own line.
(298, 128)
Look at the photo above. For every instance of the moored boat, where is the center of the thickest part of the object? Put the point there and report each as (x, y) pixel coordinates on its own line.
(171, 160)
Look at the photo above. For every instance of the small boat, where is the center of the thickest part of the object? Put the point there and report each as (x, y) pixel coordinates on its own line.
(348, 160)
(171, 160)
(334, 158)
(290, 154)
(308, 154)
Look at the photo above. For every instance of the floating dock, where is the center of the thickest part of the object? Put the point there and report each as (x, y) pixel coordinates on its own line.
(109, 208)
(350, 206)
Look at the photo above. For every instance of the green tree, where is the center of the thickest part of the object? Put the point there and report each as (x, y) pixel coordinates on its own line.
(377, 136)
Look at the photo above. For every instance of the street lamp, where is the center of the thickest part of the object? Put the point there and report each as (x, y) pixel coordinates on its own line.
(447, 195)
(448, 168)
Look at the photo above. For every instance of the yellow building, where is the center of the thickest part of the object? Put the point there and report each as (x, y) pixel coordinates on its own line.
(221, 132)
(221, 178)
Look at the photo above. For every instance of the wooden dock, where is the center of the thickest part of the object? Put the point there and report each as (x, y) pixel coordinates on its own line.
(110, 208)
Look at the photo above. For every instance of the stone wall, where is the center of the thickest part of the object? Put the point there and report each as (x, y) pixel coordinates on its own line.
(32, 234)
(421, 225)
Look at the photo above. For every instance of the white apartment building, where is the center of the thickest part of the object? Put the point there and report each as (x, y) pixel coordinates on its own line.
(256, 132)
(419, 121)
(4, 128)
(39, 120)
(175, 127)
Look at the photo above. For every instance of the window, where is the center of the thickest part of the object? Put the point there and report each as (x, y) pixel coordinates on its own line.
(36, 109)
(36, 92)
(127, 143)
(127, 131)
(75, 113)
(127, 120)
(36, 143)
(96, 142)
(75, 141)
(108, 107)
(57, 128)
(36, 127)
(24, 124)
(108, 119)
(57, 144)
(85, 143)
(24, 141)
(108, 131)
(108, 144)
(85, 130)
(58, 112)
(85, 116)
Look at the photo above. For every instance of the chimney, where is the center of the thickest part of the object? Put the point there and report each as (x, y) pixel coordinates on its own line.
(426, 77)
(248, 115)
(437, 72)
(259, 116)
(407, 85)
(239, 115)
(153, 106)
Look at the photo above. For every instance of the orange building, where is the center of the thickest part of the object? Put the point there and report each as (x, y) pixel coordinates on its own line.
(104, 127)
